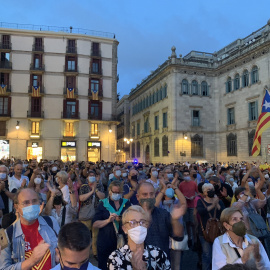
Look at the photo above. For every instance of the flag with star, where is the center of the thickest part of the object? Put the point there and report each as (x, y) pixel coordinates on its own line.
(35, 91)
(262, 125)
(70, 93)
(3, 89)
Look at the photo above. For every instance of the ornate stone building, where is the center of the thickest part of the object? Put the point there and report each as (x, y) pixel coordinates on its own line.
(203, 106)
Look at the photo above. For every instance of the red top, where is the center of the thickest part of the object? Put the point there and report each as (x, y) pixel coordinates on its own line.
(32, 238)
(189, 189)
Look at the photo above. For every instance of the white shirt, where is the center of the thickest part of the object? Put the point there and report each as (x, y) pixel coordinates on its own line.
(219, 258)
(90, 267)
(70, 213)
(65, 192)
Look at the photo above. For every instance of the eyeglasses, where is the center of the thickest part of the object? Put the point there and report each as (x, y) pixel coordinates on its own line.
(134, 223)
(29, 202)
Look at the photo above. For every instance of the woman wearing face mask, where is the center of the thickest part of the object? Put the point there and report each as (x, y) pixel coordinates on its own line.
(207, 207)
(154, 178)
(236, 246)
(246, 203)
(135, 254)
(108, 219)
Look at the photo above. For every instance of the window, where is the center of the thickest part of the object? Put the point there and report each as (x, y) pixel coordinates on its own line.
(229, 85)
(204, 88)
(69, 129)
(184, 87)
(71, 47)
(197, 146)
(35, 106)
(37, 61)
(146, 102)
(38, 44)
(138, 149)
(253, 110)
(156, 147)
(96, 66)
(146, 125)
(35, 128)
(95, 49)
(231, 120)
(160, 94)
(36, 80)
(156, 122)
(71, 109)
(231, 145)
(245, 80)
(236, 82)
(138, 128)
(133, 149)
(165, 122)
(2, 128)
(71, 63)
(94, 129)
(254, 75)
(195, 118)
(95, 109)
(4, 78)
(165, 149)
(165, 91)
(71, 81)
(194, 86)
(6, 42)
(133, 131)
(4, 106)
(5, 57)
(94, 85)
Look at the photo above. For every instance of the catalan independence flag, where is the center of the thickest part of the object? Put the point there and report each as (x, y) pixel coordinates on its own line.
(35, 91)
(94, 94)
(262, 125)
(3, 89)
(70, 92)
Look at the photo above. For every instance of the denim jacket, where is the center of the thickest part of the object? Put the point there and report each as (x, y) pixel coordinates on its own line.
(11, 259)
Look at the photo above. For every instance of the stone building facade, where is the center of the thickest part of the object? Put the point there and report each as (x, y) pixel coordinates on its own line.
(59, 87)
(203, 106)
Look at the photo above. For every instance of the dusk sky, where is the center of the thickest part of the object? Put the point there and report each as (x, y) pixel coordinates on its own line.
(147, 29)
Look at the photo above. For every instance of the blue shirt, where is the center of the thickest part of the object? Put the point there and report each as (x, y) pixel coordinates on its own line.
(90, 267)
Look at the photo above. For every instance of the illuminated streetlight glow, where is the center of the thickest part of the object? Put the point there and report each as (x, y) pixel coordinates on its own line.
(18, 125)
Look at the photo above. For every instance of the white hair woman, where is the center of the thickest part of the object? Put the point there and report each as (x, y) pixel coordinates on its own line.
(209, 206)
(136, 255)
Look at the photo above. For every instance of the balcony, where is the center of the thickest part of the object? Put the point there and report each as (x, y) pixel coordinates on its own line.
(94, 117)
(5, 46)
(69, 115)
(96, 53)
(5, 114)
(71, 50)
(37, 48)
(37, 69)
(5, 65)
(95, 72)
(71, 71)
(70, 94)
(36, 93)
(39, 115)
(99, 94)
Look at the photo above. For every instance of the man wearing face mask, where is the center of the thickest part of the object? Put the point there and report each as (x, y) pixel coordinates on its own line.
(142, 175)
(164, 224)
(190, 190)
(74, 252)
(168, 175)
(34, 238)
(130, 188)
(236, 246)
(116, 174)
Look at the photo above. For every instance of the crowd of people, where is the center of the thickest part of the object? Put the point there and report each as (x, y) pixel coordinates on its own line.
(133, 216)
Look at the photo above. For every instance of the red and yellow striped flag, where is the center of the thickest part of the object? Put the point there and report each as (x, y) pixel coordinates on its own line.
(262, 125)
(70, 93)
(3, 89)
(35, 91)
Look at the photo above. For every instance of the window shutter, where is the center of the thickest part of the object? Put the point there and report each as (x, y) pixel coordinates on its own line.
(256, 109)
(249, 112)
(100, 110)
(64, 108)
(77, 108)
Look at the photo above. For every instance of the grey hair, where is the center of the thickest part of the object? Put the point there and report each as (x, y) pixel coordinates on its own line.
(207, 185)
(64, 176)
(135, 208)
(3, 166)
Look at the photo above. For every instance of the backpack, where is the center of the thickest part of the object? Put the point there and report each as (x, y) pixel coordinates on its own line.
(213, 227)
(258, 226)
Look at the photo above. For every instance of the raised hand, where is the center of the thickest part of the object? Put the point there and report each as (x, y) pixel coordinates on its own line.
(178, 211)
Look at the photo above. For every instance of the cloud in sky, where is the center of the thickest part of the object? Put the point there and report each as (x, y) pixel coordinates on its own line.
(147, 29)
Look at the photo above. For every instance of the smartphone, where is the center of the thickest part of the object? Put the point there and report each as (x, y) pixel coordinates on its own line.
(3, 239)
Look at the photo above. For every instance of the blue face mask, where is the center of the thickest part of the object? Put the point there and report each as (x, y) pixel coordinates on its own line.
(92, 179)
(31, 212)
(169, 192)
(116, 196)
(170, 175)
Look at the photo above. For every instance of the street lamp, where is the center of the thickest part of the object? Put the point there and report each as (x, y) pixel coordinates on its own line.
(128, 141)
(110, 129)
(18, 125)
(185, 136)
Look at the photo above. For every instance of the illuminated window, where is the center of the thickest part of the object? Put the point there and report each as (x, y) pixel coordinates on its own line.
(35, 128)
(69, 130)
(94, 129)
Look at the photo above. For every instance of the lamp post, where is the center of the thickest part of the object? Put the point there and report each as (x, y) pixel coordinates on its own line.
(128, 141)
(17, 127)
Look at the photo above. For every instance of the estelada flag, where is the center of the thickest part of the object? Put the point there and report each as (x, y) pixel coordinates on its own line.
(70, 92)
(3, 89)
(262, 125)
(94, 94)
(35, 91)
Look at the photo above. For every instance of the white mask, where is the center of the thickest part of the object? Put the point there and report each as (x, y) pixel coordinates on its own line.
(137, 234)
(154, 173)
(266, 176)
(56, 180)
(251, 184)
(118, 173)
(54, 169)
(37, 181)
(3, 175)
(124, 174)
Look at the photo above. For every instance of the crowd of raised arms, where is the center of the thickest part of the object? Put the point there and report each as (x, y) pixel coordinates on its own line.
(56, 215)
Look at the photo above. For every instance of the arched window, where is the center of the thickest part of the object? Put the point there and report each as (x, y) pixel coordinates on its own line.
(195, 90)
(245, 80)
(236, 82)
(197, 146)
(138, 149)
(156, 147)
(254, 75)
(204, 88)
(184, 87)
(133, 149)
(231, 145)
(165, 147)
(229, 85)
